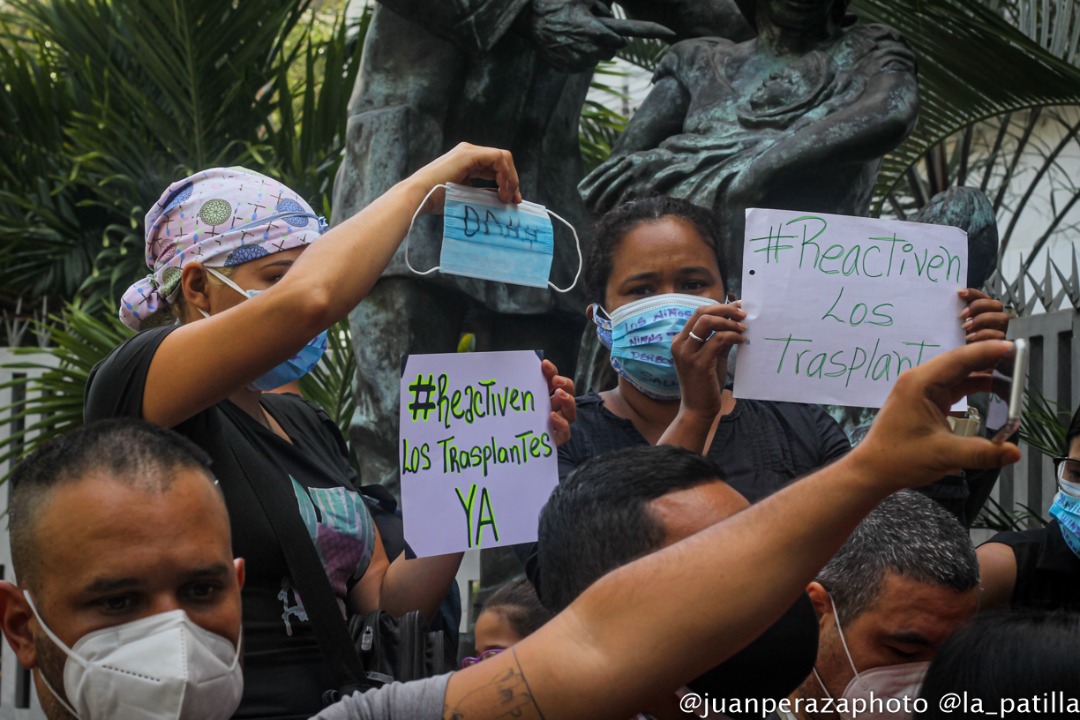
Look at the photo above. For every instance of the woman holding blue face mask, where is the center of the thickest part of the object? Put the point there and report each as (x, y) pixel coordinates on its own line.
(245, 281)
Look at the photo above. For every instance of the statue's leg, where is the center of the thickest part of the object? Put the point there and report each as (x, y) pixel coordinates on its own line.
(399, 316)
(970, 210)
(557, 334)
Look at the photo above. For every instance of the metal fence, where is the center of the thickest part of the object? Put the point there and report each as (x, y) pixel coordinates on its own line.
(17, 699)
(1047, 312)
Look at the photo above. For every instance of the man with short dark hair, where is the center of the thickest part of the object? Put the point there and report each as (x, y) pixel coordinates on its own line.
(622, 505)
(648, 627)
(617, 507)
(904, 581)
(128, 597)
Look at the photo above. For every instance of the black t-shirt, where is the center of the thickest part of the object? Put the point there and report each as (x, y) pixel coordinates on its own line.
(1047, 571)
(284, 674)
(760, 446)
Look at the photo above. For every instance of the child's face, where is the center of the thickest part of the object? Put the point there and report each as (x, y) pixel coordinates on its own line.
(494, 632)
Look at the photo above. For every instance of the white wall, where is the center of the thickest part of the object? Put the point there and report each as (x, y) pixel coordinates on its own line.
(17, 698)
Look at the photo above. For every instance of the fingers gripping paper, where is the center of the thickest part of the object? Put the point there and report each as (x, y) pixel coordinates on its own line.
(837, 307)
(477, 459)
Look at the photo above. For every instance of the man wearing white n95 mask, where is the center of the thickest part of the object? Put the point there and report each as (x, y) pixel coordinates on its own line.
(128, 598)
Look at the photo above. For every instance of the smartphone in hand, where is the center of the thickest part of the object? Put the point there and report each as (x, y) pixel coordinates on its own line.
(1010, 378)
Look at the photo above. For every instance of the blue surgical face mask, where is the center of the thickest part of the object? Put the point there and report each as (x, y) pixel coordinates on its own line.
(292, 369)
(1067, 511)
(639, 335)
(486, 238)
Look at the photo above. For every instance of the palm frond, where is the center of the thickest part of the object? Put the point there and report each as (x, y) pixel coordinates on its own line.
(329, 385)
(993, 516)
(973, 66)
(1044, 425)
(51, 394)
(643, 52)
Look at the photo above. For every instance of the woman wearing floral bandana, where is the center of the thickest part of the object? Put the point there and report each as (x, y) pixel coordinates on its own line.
(242, 279)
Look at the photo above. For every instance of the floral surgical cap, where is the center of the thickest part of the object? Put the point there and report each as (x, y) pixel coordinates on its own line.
(217, 217)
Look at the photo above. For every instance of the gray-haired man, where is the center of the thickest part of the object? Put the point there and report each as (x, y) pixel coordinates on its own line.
(903, 582)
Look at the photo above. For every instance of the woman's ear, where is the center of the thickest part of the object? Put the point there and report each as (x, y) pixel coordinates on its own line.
(195, 286)
(589, 312)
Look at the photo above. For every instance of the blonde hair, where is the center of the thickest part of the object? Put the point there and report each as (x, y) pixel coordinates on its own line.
(173, 313)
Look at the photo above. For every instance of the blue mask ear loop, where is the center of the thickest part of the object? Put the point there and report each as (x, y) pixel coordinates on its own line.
(409, 233)
(581, 262)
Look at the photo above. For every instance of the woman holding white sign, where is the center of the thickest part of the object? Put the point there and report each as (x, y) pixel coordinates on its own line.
(658, 294)
(242, 291)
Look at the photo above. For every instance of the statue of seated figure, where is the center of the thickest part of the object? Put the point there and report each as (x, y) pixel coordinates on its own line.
(797, 118)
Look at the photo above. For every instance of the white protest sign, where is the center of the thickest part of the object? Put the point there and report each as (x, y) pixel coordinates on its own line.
(837, 307)
(477, 459)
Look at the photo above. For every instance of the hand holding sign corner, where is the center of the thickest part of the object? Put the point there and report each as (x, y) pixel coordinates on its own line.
(837, 307)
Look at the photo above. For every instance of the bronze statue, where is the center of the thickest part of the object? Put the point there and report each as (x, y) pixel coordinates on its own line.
(506, 73)
(798, 117)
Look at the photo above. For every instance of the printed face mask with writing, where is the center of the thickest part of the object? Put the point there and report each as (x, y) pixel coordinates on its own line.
(486, 238)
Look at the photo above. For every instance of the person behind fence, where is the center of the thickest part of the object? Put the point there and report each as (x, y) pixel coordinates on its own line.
(904, 581)
(512, 613)
(1040, 568)
(243, 288)
(620, 506)
(695, 603)
(126, 602)
(1016, 664)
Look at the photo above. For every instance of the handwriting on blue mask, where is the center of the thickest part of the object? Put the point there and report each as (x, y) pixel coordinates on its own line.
(492, 240)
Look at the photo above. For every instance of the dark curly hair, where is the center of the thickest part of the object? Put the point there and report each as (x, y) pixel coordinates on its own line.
(518, 603)
(616, 223)
(1073, 431)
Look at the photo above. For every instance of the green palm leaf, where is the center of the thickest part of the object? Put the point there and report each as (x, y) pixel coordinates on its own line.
(50, 395)
(329, 385)
(973, 65)
(146, 91)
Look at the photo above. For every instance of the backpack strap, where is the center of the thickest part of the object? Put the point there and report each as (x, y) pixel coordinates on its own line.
(310, 580)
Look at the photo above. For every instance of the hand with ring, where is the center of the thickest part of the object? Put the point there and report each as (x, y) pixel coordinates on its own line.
(700, 352)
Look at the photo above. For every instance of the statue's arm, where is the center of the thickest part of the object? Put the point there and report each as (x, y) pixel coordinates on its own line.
(872, 125)
(693, 18)
(863, 131)
(660, 116)
(569, 35)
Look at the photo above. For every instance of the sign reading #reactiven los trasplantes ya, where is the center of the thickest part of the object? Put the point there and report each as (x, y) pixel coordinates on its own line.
(477, 458)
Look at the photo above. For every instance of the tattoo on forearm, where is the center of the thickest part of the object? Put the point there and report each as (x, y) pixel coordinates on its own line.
(507, 696)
